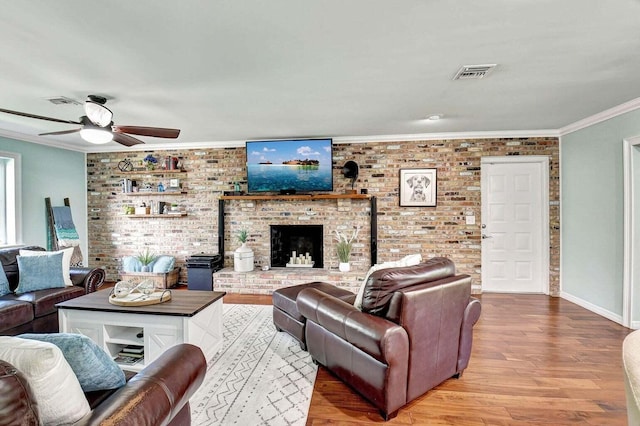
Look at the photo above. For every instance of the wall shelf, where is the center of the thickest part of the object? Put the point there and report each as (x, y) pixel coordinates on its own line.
(154, 193)
(152, 172)
(162, 216)
(303, 197)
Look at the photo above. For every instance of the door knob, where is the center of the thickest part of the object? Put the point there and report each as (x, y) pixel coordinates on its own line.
(485, 236)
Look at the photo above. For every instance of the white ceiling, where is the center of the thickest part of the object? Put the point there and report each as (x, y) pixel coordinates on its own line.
(225, 71)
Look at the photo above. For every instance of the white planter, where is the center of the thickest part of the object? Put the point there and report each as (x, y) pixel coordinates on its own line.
(344, 267)
(243, 259)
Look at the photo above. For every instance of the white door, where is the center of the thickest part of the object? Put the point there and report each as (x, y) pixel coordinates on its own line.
(515, 224)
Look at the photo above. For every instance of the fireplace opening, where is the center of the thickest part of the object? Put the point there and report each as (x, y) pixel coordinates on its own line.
(301, 239)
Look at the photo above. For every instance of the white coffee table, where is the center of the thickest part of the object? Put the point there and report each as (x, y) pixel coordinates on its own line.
(189, 317)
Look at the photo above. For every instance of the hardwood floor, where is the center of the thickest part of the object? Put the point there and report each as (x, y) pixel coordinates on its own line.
(535, 360)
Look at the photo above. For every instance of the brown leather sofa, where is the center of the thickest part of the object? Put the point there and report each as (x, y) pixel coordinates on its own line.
(157, 395)
(414, 332)
(35, 312)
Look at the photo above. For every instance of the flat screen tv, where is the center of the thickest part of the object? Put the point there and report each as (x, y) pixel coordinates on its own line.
(290, 166)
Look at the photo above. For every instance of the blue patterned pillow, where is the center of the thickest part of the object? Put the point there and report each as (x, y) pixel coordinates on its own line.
(4, 283)
(39, 272)
(92, 366)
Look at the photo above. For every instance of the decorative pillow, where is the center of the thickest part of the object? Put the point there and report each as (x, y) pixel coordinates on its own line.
(164, 264)
(410, 260)
(131, 264)
(4, 283)
(57, 391)
(94, 369)
(382, 284)
(67, 254)
(39, 272)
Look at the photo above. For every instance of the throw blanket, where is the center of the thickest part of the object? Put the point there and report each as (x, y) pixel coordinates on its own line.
(66, 233)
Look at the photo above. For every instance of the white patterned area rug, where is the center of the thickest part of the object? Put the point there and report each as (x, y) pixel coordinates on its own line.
(259, 377)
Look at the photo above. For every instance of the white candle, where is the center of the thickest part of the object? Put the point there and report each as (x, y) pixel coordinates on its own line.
(293, 254)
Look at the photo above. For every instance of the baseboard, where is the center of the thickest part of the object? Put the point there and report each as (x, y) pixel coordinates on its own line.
(593, 308)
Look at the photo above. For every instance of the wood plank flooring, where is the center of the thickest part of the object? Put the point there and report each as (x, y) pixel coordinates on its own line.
(535, 360)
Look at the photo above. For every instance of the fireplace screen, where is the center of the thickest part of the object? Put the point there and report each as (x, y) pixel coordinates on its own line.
(301, 239)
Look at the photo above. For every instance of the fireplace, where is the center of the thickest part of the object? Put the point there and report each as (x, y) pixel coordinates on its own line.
(302, 239)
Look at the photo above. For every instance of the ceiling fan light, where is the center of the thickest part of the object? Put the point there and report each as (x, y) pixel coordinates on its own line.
(98, 114)
(96, 136)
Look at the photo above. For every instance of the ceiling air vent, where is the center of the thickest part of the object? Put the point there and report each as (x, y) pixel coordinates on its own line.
(63, 100)
(471, 72)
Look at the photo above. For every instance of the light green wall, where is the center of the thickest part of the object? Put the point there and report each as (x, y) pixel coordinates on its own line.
(54, 173)
(591, 169)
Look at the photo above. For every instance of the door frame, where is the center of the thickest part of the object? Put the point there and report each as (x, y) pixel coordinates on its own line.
(629, 269)
(544, 161)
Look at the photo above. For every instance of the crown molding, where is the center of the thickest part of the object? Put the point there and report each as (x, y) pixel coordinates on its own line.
(241, 143)
(601, 116)
(448, 136)
(40, 141)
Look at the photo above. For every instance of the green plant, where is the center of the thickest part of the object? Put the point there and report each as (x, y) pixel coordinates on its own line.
(344, 246)
(145, 257)
(243, 235)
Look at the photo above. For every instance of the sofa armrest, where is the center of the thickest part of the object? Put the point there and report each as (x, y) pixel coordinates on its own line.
(471, 316)
(157, 393)
(369, 333)
(89, 278)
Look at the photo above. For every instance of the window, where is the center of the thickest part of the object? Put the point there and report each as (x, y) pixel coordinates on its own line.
(10, 201)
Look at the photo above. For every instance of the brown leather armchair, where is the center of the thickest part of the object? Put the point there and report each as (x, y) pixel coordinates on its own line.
(414, 332)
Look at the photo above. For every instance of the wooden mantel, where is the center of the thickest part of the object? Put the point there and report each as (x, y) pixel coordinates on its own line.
(303, 197)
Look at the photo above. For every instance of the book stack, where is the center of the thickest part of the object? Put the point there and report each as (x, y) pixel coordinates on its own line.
(130, 354)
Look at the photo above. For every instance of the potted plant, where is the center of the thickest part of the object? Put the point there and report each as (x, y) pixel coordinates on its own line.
(343, 248)
(243, 256)
(146, 258)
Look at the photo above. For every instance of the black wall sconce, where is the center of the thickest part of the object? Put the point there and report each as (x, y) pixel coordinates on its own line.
(350, 171)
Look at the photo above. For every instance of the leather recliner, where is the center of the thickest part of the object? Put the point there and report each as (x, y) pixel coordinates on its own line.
(414, 332)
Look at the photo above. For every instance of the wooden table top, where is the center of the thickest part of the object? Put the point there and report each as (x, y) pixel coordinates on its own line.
(183, 303)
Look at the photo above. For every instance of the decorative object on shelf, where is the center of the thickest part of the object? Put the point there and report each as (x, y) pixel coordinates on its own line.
(243, 256)
(125, 165)
(350, 171)
(343, 248)
(146, 258)
(418, 187)
(150, 162)
(160, 187)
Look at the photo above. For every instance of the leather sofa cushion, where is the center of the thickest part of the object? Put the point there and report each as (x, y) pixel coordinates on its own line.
(381, 284)
(285, 298)
(44, 301)
(17, 403)
(14, 313)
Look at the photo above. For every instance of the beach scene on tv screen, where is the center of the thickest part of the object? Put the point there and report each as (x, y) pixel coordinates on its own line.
(301, 165)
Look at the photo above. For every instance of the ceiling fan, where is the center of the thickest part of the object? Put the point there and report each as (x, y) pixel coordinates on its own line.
(97, 126)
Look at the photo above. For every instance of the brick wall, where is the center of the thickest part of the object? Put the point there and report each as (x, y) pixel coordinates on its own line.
(431, 231)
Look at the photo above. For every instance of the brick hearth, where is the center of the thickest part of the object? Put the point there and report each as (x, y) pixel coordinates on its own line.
(265, 282)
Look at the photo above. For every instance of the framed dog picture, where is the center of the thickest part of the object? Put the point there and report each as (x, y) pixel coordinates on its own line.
(418, 187)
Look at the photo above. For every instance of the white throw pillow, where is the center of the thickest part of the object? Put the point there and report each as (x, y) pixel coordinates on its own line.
(56, 389)
(66, 261)
(410, 260)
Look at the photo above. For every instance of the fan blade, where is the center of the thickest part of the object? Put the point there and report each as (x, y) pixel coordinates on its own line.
(39, 117)
(125, 140)
(62, 132)
(157, 132)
